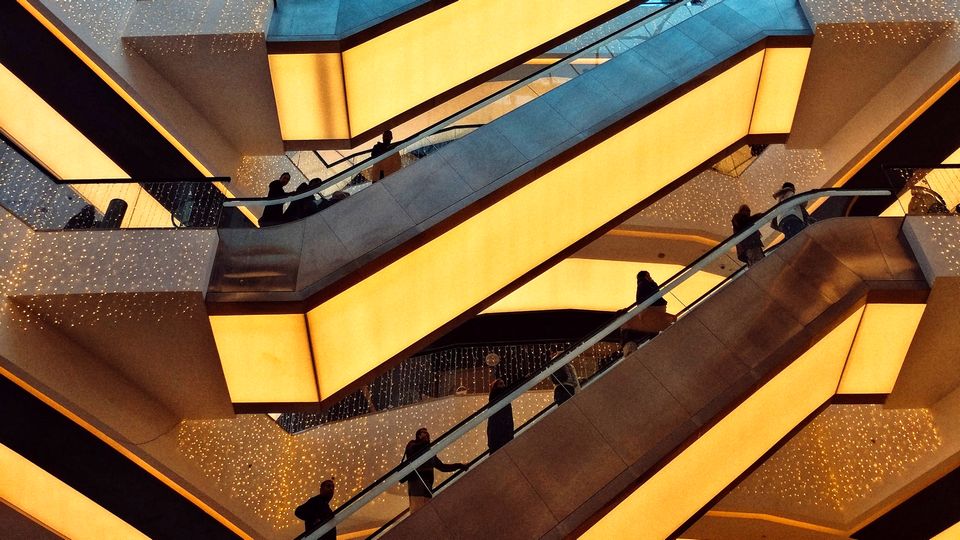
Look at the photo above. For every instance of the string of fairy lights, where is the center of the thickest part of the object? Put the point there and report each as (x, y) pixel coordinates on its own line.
(457, 370)
(843, 456)
(237, 25)
(270, 471)
(897, 21)
(251, 459)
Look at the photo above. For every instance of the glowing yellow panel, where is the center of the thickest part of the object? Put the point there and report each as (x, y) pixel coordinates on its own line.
(36, 126)
(265, 358)
(780, 82)
(600, 285)
(310, 98)
(953, 159)
(51, 139)
(398, 305)
(665, 501)
(47, 500)
(885, 334)
(953, 533)
(448, 47)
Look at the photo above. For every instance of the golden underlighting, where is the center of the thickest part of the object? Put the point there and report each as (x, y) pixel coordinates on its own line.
(880, 347)
(450, 46)
(578, 61)
(673, 237)
(125, 452)
(125, 95)
(600, 285)
(317, 110)
(862, 355)
(718, 457)
(55, 505)
(265, 358)
(780, 82)
(778, 520)
(396, 306)
(39, 129)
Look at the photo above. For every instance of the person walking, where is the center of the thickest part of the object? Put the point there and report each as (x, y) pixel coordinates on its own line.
(420, 481)
(750, 250)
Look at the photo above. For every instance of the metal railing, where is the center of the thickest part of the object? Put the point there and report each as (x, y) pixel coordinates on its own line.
(33, 194)
(401, 471)
(608, 46)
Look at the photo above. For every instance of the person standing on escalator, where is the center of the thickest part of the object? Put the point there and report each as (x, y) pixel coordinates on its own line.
(273, 214)
(420, 481)
(796, 218)
(750, 250)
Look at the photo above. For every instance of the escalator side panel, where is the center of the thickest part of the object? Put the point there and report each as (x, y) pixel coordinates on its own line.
(653, 405)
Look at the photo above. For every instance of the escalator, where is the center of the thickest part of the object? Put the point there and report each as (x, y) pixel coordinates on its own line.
(443, 238)
(683, 394)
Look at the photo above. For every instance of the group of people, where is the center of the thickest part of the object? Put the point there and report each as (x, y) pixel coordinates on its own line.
(500, 425)
(274, 214)
(794, 220)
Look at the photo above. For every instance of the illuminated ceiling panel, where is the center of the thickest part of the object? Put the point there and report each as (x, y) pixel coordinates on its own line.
(739, 440)
(462, 267)
(600, 285)
(55, 505)
(780, 82)
(413, 63)
(885, 334)
(265, 358)
(863, 353)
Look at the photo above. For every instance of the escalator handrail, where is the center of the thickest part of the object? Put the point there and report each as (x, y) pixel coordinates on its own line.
(352, 171)
(400, 145)
(394, 477)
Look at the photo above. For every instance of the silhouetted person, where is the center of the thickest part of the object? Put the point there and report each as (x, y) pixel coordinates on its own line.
(750, 250)
(420, 482)
(84, 219)
(300, 208)
(388, 165)
(565, 380)
(647, 287)
(273, 213)
(383, 146)
(113, 216)
(796, 219)
(500, 424)
(641, 328)
(338, 196)
(316, 511)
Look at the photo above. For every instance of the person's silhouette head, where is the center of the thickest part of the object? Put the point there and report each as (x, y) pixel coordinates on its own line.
(423, 435)
(327, 487)
(644, 276)
(285, 178)
(387, 136)
(744, 210)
